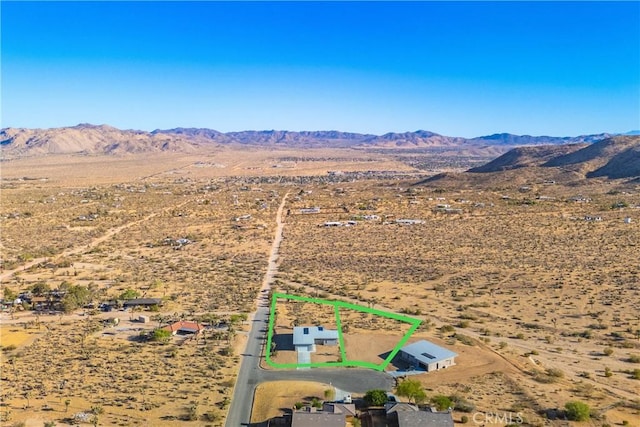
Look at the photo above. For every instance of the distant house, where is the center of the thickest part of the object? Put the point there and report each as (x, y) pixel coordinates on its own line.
(305, 338)
(310, 417)
(427, 356)
(184, 328)
(313, 210)
(142, 302)
(332, 224)
(409, 221)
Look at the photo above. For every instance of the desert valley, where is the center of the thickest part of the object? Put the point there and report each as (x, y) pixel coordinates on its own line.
(520, 254)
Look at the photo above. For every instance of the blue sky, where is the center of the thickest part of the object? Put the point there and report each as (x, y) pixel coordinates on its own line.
(456, 68)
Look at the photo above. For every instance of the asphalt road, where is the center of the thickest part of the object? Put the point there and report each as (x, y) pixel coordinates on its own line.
(353, 380)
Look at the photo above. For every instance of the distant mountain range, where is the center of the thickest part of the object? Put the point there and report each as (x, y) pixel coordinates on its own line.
(614, 157)
(104, 139)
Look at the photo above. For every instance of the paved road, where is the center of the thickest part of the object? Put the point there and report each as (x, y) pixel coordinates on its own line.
(250, 374)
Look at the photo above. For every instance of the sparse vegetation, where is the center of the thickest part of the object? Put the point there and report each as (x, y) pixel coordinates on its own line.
(577, 411)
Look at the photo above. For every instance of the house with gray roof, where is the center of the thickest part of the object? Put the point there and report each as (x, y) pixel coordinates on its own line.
(423, 419)
(309, 417)
(425, 355)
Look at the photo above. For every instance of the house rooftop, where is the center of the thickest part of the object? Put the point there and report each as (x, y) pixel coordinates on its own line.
(424, 419)
(305, 335)
(143, 301)
(317, 419)
(184, 326)
(427, 352)
(348, 409)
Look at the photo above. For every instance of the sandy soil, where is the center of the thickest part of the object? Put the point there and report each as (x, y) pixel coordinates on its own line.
(272, 398)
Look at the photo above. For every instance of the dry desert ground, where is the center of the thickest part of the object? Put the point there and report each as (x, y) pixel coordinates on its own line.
(541, 305)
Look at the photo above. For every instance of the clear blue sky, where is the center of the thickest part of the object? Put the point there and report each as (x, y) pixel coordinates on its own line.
(456, 68)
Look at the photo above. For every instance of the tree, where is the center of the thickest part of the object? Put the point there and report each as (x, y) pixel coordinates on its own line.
(9, 295)
(412, 390)
(441, 402)
(41, 288)
(76, 296)
(128, 294)
(160, 335)
(375, 397)
(577, 411)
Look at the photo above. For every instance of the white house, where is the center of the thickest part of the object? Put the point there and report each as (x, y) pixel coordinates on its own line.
(305, 338)
(427, 356)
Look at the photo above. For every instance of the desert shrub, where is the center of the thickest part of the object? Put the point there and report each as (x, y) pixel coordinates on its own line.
(552, 375)
(446, 328)
(635, 374)
(464, 339)
(607, 372)
(464, 419)
(461, 404)
(160, 335)
(634, 358)
(577, 411)
(211, 416)
(441, 402)
(608, 351)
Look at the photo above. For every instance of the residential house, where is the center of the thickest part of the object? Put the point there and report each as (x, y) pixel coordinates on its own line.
(425, 355)
(142, 302)
(310, 417)
(421, 419)
(409, 221)
(305, 338)
(348, 409)
(183, 327)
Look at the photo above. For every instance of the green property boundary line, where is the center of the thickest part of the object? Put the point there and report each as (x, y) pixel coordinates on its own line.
(415, 323)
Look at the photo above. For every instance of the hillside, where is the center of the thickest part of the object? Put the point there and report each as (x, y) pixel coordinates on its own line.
(88, 139)
(526, 157)
(615, 157)
(103, 139)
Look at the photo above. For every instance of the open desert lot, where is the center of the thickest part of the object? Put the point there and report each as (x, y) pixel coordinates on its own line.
(536, 285)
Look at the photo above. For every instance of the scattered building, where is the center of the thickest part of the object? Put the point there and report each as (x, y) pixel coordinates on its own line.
(142, 302)
(348, 409)
(593, 218)
(310, 417)
(183, 327)
(409, 221)
(427, 356)
(305, 338)
(421, 419)
(627, 220)
(313, 210)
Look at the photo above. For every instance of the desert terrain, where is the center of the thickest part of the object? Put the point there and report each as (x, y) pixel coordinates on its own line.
(534, 282)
